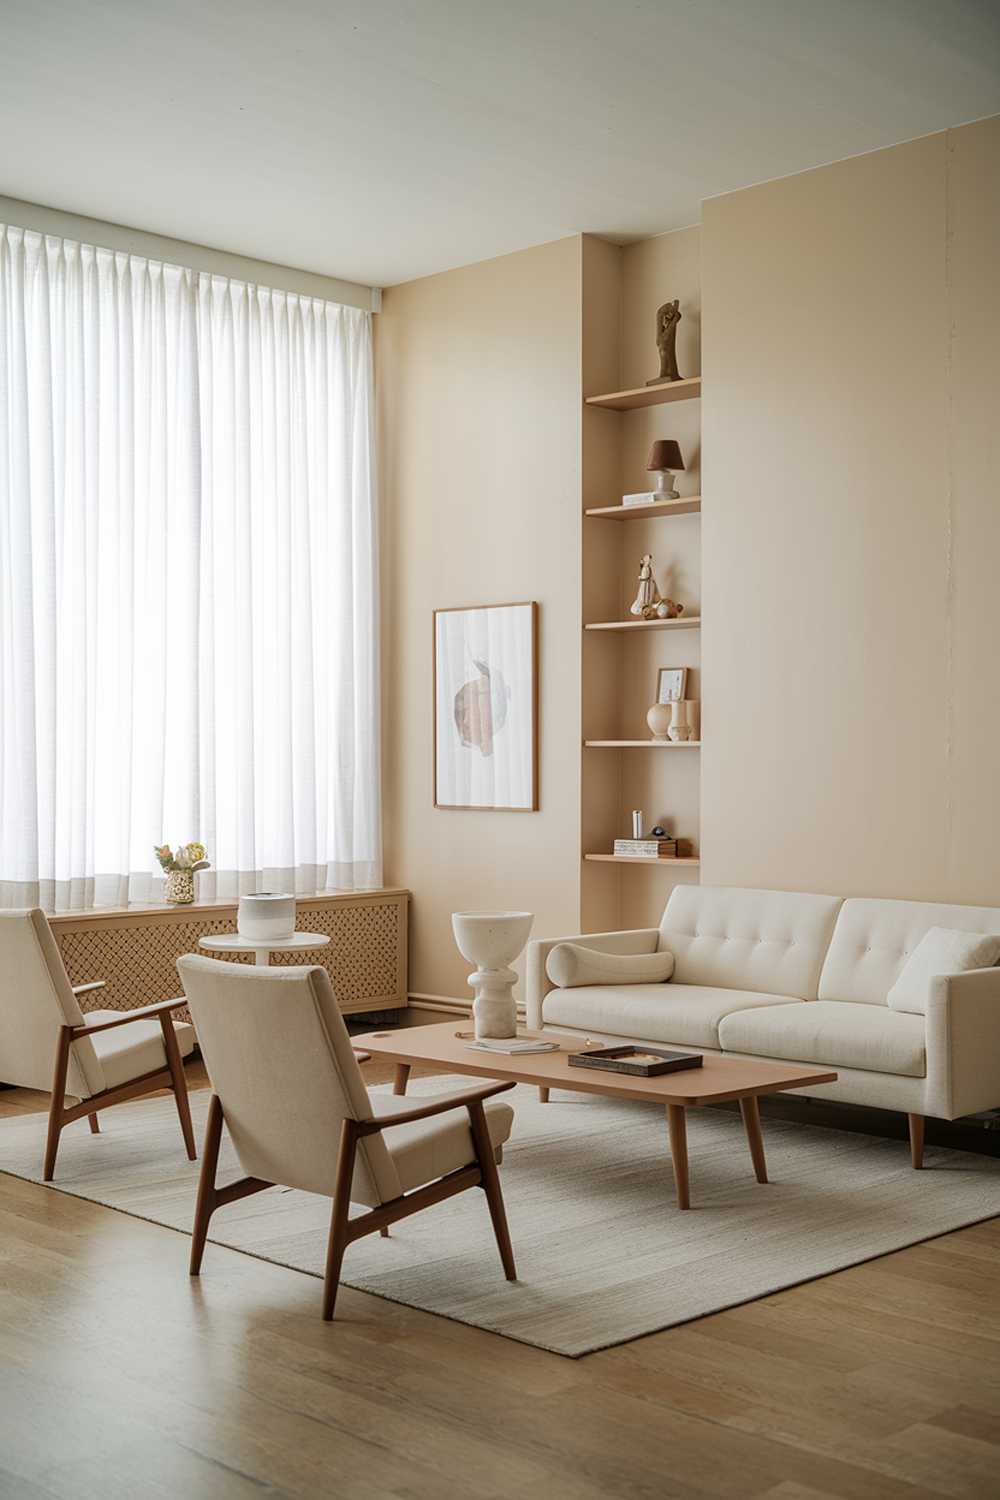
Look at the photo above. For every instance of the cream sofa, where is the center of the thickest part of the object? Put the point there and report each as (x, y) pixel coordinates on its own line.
(801, 978)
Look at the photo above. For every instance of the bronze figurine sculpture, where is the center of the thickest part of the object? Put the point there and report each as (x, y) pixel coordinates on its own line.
(667, 319)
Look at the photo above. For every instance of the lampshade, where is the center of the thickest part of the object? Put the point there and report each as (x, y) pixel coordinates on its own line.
(665, 454)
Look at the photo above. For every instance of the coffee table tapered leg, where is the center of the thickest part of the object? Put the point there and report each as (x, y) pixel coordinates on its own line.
(401, 1078)
(750, 1110)
(677, 1128)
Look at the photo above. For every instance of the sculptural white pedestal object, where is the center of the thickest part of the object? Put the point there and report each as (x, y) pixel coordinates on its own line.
(492, 940)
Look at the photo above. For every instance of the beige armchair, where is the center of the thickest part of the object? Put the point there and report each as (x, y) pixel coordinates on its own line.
(287, 1085)
(102, 1058)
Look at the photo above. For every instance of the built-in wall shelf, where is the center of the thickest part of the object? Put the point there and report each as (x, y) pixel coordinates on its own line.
(641, 859)
(643, 744)
(685, 622)
(686, 506)
(649, 395)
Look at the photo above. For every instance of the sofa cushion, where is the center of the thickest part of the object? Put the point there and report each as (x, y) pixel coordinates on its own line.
(688, 1014)
(834, 1033)
(873, 940)
(572, 964)
(772, 942)
(941, 950)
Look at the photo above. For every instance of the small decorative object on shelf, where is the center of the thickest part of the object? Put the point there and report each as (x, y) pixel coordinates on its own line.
(642, 497)
(637, 822)
(665, 461)
(651, 848)
(658, 719)
(671, 684)
(492, 941)
(680, 724)
(180, 870)
(667, 318)
(266, 914)
(669, 609)
(648, 595)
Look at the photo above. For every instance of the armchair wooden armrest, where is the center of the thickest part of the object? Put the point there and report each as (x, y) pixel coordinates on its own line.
(85, 989)
(142, 1013)
(471, 1097)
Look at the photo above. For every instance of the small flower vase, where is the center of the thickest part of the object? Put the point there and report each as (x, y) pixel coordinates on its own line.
(180, 887)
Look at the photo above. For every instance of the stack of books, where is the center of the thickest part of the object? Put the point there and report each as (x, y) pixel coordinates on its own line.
(654, 848)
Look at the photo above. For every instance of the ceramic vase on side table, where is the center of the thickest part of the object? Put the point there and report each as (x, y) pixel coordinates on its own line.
(492, 941)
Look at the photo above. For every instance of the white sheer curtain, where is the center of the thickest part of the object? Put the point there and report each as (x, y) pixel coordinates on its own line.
(188, 580)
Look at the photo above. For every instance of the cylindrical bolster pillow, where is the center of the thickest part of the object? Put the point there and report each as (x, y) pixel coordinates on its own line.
(571, 964)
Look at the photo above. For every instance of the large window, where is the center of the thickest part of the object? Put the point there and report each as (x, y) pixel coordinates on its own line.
(188, 580)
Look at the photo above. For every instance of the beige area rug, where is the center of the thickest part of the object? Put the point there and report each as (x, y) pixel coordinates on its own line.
(603, 1255)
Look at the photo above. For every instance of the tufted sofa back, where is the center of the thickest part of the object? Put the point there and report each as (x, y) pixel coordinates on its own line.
(873, 939)
(770, 941)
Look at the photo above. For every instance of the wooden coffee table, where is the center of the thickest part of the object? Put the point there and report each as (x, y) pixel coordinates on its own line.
(719, 1079)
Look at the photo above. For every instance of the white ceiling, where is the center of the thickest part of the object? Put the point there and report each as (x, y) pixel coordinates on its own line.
(384, 139)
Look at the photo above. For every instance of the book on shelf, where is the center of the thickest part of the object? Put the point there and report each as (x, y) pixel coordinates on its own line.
(646, 497)
(653, 848)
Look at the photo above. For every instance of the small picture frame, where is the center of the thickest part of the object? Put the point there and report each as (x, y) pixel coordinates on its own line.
(671, 684)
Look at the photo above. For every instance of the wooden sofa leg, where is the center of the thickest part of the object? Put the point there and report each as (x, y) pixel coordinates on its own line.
(543, 1095)
(95, 1128)
(916, 1140)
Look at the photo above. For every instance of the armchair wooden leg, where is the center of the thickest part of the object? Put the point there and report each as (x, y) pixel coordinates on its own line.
(206, 1183)
(57, 1107)
(491, 1187)
(543, 1095)
(95, 1128)
(337, 1243)
(916, 1140)
(179, 1083)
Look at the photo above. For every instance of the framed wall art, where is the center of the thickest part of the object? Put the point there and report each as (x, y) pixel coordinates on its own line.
(486, 708)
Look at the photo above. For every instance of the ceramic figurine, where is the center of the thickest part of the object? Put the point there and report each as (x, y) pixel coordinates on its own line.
(647, 599)
(667, 319)
(668, 609)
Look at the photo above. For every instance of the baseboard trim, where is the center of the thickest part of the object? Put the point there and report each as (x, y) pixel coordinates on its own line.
(449, 1003)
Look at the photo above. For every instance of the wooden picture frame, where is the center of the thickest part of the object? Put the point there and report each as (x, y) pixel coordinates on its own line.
(671, 684)
(485, 707)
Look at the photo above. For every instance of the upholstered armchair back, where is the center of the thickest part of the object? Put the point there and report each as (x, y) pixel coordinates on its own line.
(280, 1060)
(36, 999)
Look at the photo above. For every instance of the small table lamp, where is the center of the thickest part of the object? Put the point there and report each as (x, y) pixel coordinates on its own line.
(665, 461)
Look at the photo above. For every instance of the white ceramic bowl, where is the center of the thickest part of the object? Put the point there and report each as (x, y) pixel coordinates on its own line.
(491, 939)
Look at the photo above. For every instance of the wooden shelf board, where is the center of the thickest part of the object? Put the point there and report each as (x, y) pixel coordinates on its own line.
(686, 506)
(648, 395)
(639, 859)
(642, 744)
(686, 622)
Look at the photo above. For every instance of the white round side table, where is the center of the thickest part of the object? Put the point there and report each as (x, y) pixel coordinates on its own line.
(231, 942)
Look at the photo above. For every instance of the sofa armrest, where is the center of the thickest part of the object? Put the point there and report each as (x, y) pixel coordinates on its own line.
(538, 983)
(963, 1043)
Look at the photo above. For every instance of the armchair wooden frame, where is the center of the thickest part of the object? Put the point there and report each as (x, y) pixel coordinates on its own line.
(344, 1230)
(171, 1077)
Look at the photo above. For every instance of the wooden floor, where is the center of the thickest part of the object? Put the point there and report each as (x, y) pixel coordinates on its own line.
(120, 1378)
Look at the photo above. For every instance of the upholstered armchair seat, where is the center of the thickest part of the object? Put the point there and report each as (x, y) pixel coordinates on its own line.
(128, 1052)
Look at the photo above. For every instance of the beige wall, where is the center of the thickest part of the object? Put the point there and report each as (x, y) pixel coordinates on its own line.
(851, 525)
(479, 420)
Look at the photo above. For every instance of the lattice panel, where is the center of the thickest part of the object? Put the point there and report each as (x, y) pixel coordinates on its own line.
(366, 956)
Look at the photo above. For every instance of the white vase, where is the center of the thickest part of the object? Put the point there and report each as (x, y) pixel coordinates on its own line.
(492, 940)
(266, 914)
(658, 719)
(680, 728)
